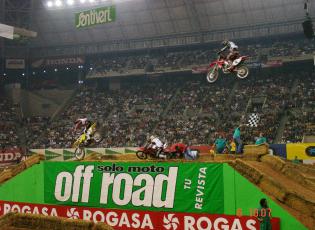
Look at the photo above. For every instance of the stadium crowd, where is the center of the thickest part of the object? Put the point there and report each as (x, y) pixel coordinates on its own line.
(8, 124)
(194, 112)
(181, 109)
(301, 119)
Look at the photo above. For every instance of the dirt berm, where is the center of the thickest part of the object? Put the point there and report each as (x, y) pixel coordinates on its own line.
(285, 183)
(18, 221)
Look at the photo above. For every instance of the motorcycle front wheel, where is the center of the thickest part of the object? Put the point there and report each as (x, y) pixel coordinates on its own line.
(242, 72)
(79, 153)
(141, 155)
(212, 75)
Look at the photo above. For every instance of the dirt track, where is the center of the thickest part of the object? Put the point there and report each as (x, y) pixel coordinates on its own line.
(133, 157)
(284, 181)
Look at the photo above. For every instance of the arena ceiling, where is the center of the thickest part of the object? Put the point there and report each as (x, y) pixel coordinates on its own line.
(138, 19)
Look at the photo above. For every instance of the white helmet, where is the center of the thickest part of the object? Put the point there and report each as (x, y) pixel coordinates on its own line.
(152, 137)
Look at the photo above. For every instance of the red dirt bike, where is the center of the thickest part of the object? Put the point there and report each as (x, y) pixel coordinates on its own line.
(147, 150)
(221, 63)
(166, 153)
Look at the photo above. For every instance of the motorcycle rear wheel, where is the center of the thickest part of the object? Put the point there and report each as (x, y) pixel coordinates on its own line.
(242, 72)
(212, 75)
(141, 155)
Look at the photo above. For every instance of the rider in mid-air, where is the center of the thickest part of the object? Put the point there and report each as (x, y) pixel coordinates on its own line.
(84, 122)
(233, 52)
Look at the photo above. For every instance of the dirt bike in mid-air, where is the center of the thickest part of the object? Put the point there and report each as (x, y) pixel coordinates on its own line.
(82, 143)
(239, 68)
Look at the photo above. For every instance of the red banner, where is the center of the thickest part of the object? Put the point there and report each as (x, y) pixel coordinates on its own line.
(10, 156)
(274, 63)
(61, 61)
(126, 219)
(15, 64)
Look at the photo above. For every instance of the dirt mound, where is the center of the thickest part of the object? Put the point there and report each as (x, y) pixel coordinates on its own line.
(205, 157)
(19, 221)
(273, 177)
(292, 171)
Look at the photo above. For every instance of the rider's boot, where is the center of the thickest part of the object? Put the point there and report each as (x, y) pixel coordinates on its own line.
(162, 156)
(230, 66)
(158, 151)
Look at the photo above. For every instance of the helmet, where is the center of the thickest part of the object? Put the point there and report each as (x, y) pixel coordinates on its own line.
(152, 137)
(225, 42)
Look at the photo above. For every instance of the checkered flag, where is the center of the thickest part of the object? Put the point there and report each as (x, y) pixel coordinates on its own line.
(253, 120)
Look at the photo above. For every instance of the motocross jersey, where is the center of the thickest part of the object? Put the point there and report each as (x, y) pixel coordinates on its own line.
(157, 142)
(180, 146)
(231, 46)
(81, 122)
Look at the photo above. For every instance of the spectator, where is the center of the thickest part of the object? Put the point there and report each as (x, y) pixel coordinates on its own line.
(237, 139)
(220, 144)
(264, 214)
(233, 147)
(261, 139)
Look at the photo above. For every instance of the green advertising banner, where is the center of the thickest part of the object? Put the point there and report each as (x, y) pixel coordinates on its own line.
(186, 187)
(95, 16)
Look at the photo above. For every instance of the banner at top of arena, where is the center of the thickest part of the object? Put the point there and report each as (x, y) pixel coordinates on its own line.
(58, 61)
(96, 16)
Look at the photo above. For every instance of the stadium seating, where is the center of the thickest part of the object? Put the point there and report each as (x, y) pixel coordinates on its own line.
(187, 110)
(9, 119)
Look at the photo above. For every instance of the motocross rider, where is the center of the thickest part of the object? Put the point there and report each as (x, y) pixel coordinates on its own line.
(178, 148)
(84, 122)
(233, 52)
(156, 144)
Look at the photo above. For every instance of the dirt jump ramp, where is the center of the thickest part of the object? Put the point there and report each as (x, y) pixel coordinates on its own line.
(274, 178)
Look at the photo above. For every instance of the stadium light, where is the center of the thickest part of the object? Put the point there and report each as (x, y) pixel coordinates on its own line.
(58, 3)
(82, 1)
(91, 1)
(49, 4)
(70, 2)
